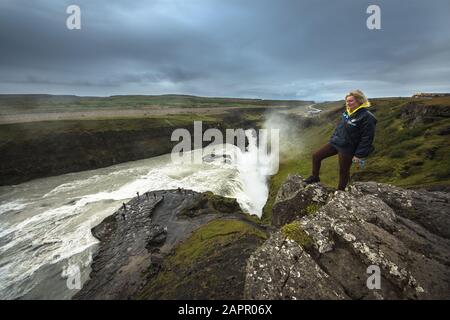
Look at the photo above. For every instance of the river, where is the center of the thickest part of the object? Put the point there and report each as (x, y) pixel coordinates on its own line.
(45, 224)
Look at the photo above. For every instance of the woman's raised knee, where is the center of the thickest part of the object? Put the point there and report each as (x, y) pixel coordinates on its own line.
(315, 157)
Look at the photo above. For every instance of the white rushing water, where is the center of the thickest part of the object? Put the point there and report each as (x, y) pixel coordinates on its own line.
(45, 224)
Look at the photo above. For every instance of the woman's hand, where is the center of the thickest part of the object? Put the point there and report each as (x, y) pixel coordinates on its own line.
(359, 161)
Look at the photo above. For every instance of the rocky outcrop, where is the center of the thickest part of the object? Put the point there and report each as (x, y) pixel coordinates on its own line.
(337, 251)
(296, 199)
(143, 242)
(414, 113)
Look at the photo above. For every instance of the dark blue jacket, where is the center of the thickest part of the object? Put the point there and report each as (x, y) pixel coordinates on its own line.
(354, 134)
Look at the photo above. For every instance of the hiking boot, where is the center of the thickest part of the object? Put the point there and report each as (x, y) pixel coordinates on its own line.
(311, 179)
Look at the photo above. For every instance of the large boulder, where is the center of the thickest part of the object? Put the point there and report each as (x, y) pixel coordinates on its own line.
(370, 227)
(296, 199)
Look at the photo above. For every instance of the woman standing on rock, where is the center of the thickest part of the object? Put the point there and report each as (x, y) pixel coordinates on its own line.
(351, 140)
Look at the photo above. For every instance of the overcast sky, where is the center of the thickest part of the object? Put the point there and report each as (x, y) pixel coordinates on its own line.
(302, 49)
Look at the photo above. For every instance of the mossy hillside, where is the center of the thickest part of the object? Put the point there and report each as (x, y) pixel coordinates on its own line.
(206, 246)
(410, 155)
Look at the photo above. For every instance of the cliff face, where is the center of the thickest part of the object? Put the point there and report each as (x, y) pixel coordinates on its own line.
(77, 150)
(325, 252)
(60, 153)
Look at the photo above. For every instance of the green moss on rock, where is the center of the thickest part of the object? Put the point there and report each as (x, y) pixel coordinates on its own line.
(294, 231)
(312, 208)
(222, 204)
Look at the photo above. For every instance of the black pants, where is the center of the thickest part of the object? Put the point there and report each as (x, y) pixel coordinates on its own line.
(345, 162)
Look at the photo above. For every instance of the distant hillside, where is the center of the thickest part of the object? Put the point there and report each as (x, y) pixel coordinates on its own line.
(13, 104)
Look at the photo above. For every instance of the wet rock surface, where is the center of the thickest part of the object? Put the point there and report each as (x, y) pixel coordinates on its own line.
(326, 254)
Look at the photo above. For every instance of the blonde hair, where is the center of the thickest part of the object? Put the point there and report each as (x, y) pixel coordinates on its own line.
(359, 96)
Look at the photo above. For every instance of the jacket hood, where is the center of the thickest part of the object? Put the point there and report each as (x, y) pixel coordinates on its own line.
(364, 105)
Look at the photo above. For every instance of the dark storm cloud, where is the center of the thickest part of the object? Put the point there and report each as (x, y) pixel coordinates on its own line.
(267, 49)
